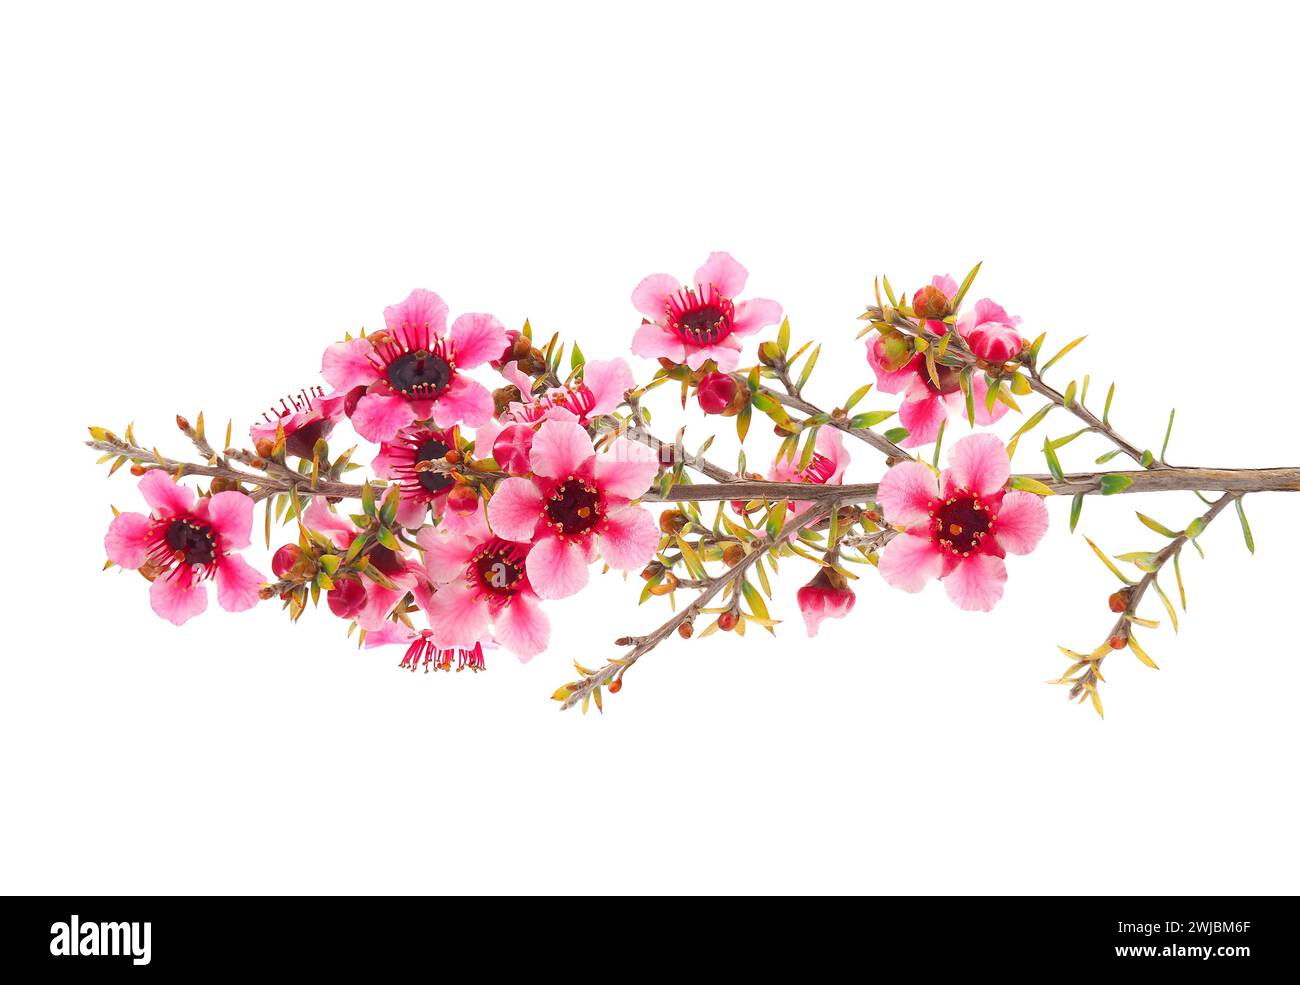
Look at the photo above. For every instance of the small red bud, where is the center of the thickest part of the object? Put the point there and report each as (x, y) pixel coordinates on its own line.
(715, 392)
(1118, 641)
(728, 621)
(615, 685)
(347, 598)
(685, 631)
(462, 499)
(1119, 601)
(264, 447)
(181, 423)
(930, 302)
(138, 470)
(284, 559)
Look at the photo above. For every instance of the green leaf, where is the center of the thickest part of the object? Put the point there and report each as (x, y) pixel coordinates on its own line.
(576, 360)
(1157, 526)
(1105, 412)
(368, 499)
(856, 396)
(1168, 431)
(742, 421)
(807, 369)
(1104, 458)
(871, 418)
(1026, 484)
(965, 285)
(1108, 563)
(1076, 507)
(1053, 463)
(1052, 362)
(783, 335)
(1114, 483)
(776, 519)
(1145, 560)
(896, 434)
(1070, 391)
(1195, 528)
(1245, 526)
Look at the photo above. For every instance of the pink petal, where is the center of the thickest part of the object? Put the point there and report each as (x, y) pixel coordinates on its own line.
(906, 492)
(237, 584)
(608, 380)
(522, 627)
(653, 341)
(830, 444)
(561, 449)
(557, 568)
(977, 463)
(652, 294)
(231, 517)
(412, 511)
(889, 381)
(755, 314)
(514, 510)
(421, 309)
(320, 518)
(945, 283)
(165, 494)
(1021, 522)
(976, 583)
(379, 603)
(627, 468)
(465, 401)
(446, 556)
(477, 338)
(457, 618)
(389, 632)
(127, 540)
(922, 419)
(724, 273)
(175, 604)
(987, 310)
(512, 448)
(379, 417)
(725, 353)
(628, 539)
(347, 364)
(908, 562)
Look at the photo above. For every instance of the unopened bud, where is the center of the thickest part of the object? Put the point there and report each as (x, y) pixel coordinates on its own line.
(1119, 601)
(685, 631)
(138, 470)
(930, 302)
(733, 554)
(503, 397)
(615, 685)
(222, 484)
(728, 621)
(181, 423)
(265, 446)
(1118, 641)
(283, 561)
(672, 521)
(769, 354)
(462, 499)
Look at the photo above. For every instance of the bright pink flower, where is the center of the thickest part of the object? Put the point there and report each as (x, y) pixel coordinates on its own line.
(577, 506)
(704, 321)
(358, 597)
(960, 527)
(182, 543)
(483, 587)
(397, 460)
(926, 406)
(602, 387)
(827, 596)
(420, 648)
(306, 417)
(830, 459)
(991, 332)
(414, 370)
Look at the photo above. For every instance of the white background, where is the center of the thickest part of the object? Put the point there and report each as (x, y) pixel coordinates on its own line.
(196, 202)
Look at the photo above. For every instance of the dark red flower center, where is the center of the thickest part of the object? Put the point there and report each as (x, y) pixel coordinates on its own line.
(191, 540)
(386, 560)
(498, 568)
(419, 375)
(574, 507)
(701, 316)
(961, 523)
(432, 450)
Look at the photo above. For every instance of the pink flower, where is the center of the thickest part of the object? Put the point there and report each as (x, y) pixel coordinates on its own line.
(715, 392)
(420, 648)
(577, 506)
(827, 596)
(991, 332)
(397, 460)
(355, 596)
(697, 323)
(414, 370)
(306, 417)
(182, 543)
(483, 586)
(959, 528)
(830, 459)
(927, 405)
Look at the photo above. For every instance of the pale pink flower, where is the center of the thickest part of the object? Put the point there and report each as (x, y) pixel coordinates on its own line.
(356, 596)
(827, 596)
(306, 417)
(926, 406)
(414, 371)
(826, 467)
(700, 321)
(577, 506)
(960, 526)
(183, 543)
(421, 650)
(482, 588)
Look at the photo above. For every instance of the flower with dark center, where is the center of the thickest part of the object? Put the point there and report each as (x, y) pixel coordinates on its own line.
(399, 460)
(927, 403)
(185, 542)
(306, 417)
(482, 590)
(960, 527)
(577, 506)
(701, 321)
(413, 370)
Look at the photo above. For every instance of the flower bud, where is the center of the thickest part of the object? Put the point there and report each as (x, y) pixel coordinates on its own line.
(264, 446)
(352, 399)
(1118, 641)
(672, 521)
(728, 621)
(733, 554)
(222, 484)
(715, 392)
(685, 631)
(930, 302)
(994, 342)
(283, 561)
(462, 499)
(615, 685)
(346, 598)
(769, 354)
(827, 596)
(503, 397)
(508, 353)
(1119, 601)
(138, 470)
